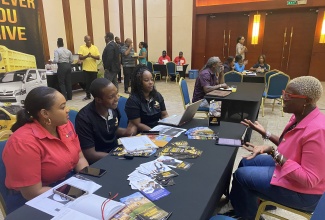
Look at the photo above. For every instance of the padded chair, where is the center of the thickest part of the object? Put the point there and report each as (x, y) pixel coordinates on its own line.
(155, 73)
(233, 76)
(268, 74)
(221, 217)
(5, 134)
(186, 97)
(269, 66)
(261, 210)
(3, 189)
(171, 71)
(123, 123)
(72, 116)
(276, 83)
(319, 212)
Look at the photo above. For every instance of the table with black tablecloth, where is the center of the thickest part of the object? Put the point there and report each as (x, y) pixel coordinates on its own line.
(197, 190)
(76, 77)
(258, 78)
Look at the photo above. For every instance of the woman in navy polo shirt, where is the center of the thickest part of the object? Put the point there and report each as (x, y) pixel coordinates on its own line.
(145, 106)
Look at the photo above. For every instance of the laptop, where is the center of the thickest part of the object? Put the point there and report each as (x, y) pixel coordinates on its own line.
(178, 120)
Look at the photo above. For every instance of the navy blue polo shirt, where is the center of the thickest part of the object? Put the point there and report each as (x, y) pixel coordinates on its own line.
(148, 111)
(96, 131)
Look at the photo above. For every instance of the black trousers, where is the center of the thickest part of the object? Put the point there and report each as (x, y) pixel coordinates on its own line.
(90, 77)
(127, 71)
(64, 78)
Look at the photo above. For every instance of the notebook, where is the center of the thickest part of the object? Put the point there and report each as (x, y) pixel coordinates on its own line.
(188, 114)
(219, 93)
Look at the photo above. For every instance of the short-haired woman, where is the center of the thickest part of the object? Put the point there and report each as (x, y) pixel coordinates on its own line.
(293, 173)
(43, 149)
(261, 65)
(145, 106)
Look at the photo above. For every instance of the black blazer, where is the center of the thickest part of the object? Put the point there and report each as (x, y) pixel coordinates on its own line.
(111, 57)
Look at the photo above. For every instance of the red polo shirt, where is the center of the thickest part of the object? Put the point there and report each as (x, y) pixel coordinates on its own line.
(33, 155)
(179, 60)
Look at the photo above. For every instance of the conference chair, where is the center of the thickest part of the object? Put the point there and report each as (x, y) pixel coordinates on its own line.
(5, 134)
(269, 66)
(268, 74)
(319, 212)
(276, 83)
(186, 96)
(221, 217)
(72, 116)
(3, 189)
(261, 210)
(123, 123)
(233, 76)
(171, 71)
(155, 73)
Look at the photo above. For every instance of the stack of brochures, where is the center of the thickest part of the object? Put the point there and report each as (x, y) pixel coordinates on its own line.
(201, 133)
(139, 207)
(138, 144)
(179, 150)
(168, 130)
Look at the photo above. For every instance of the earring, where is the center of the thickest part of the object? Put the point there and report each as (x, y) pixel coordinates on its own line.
(48, 122)
(303, 111)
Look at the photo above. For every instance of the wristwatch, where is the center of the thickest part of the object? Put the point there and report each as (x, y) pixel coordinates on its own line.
(267, 135)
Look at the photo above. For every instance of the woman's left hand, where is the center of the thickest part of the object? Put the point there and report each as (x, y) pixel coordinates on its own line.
(255, 150)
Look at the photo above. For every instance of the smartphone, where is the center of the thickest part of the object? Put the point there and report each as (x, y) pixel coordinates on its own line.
(69, 192)
(228, 141)
(92, 171)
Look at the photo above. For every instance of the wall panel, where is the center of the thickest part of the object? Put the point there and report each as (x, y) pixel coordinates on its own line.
(97, 13)
(79, 24)
(139, 22)
(54, 24)
(127, 11)
(114, 19)
(182, 30)
(156, 28)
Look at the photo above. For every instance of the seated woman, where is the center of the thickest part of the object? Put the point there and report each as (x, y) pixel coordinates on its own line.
(229, 64)
(44, 148)
(240, 64)
(145, 106)
(293, 174)
(261, 65)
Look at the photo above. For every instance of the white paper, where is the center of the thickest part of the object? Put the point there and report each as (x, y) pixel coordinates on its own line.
(179, 68)
(168, 130)
(70, 214)
(52, 204)
(137, 143)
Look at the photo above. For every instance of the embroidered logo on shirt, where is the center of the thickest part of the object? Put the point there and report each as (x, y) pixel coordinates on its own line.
(116, 122)
(156, 105)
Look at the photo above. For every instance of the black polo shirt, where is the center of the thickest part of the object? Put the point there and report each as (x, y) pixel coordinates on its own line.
(148, 111)
(94, 130)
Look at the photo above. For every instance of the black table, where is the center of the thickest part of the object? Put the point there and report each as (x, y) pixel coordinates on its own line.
(197, 190)
(246, 101)
(161, 68)
(259, 78)
(76, 77)
(182, 73)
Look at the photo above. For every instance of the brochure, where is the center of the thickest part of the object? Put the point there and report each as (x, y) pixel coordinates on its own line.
(160, 140)
(139, 207)
(137, 143)
(179, 152)
(174, 163)
(89, 207)
(201, 133)
(168, 130)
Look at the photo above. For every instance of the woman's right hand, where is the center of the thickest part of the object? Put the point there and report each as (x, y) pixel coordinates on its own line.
(255, 126)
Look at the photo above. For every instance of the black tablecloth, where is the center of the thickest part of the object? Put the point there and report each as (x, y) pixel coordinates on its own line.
(197, 190)
(259, 78)
(76, 77)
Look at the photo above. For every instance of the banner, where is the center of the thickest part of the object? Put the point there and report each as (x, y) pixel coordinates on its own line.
(20, 28)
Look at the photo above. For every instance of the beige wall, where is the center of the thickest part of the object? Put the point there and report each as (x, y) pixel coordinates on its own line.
(54, 23)
(156, 18)
(156, 28)
(79, 24)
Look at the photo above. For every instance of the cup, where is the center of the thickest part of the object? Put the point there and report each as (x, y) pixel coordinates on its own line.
(234, 88)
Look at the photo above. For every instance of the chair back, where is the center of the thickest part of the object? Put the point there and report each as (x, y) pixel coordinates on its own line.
(277, 82)
(150, 66)
(5, 134)
(184, 92)
(123, 123)
(171, 68)
(268, 74)
(233, 76)
(269, 66)
(319, 212)
(72, 116)
(3, 189)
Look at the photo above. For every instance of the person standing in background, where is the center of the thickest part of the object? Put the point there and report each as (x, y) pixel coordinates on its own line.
(128, 63)
(119, 44)
(111, 59)
(143, 53)
(63, 57)
(180, 60)
(240, 48)
(89, 53)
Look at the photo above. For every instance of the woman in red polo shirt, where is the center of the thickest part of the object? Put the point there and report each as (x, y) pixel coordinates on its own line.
(43, 149)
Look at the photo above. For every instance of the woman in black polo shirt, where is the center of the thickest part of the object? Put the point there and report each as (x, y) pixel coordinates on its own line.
(145, 106)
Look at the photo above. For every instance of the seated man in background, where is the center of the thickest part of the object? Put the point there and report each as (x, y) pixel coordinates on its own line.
(164, 58)
(97, 122)
(180, 60)
(210, 78)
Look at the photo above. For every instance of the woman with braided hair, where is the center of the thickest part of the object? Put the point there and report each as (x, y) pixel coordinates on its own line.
(145, 106)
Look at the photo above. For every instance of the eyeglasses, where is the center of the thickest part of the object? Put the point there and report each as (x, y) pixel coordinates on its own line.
(289, 96)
